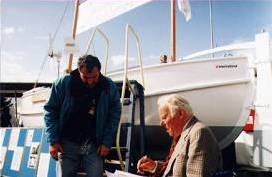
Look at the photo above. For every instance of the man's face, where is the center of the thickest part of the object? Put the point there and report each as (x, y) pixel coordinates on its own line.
(173, 125)
(166, 120)
(89, 78)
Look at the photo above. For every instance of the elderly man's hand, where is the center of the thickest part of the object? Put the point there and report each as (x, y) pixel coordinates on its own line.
(54, 149)
(103, 150)
(146, 164)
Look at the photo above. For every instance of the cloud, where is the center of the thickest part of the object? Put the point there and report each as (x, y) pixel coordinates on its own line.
(44, 37)
(20, 29)
(12, 30)
(8, 30)
(240, 40)
(268, 27)
(12, 69)
(151, 59)
(117, 61)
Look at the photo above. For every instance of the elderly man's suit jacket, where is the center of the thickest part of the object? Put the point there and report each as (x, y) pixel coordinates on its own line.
(196, 154)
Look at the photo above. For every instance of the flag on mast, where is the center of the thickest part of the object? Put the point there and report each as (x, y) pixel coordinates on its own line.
(184, 7)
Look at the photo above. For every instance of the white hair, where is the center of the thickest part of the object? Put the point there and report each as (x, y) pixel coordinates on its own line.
(174, 103)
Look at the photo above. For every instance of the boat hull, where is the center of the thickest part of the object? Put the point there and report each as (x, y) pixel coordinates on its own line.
(31, 110)
(220, 91)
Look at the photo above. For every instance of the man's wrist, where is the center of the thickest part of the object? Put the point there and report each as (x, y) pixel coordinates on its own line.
(155, 168)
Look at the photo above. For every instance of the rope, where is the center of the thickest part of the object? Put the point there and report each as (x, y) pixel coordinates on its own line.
(53, 39)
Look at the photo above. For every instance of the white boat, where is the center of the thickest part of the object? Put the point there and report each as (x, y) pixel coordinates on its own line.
(31, 107)
(221, 90)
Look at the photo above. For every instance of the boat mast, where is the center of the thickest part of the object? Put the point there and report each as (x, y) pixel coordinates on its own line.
(211, 25)
(173, 31)
(70, 61)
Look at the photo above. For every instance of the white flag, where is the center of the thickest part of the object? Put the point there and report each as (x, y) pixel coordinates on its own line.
(184, 7)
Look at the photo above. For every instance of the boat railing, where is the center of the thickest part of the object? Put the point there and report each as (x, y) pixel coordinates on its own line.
(126, 82)
(232, 47)
(137, 38)
(125, 78)
(107, 46)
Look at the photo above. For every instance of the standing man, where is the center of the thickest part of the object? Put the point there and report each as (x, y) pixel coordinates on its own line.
(81, 118)
(194, 152)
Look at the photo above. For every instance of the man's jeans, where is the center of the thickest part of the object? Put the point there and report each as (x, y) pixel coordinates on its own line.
(70, 160)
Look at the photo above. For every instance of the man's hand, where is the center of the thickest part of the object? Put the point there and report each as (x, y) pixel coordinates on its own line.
(54, 149)
(103, 150)
(146, 164)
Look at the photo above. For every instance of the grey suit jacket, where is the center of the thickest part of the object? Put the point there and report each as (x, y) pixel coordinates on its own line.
(196, 154)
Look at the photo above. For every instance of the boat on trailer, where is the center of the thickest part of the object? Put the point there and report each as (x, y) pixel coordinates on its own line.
(221, 90)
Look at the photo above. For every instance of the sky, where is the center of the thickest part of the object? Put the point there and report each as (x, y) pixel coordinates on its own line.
(26, 25)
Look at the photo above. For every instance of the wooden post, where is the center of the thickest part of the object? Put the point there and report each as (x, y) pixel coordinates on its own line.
(70, 61)
(173, 31)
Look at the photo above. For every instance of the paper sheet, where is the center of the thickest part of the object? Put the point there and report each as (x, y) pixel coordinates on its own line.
(118, 173)
(33, 155)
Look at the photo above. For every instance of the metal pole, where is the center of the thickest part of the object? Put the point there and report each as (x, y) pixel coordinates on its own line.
(173, 30)
(58, 68)
(70, 61)
(211, 25)
(16, 104)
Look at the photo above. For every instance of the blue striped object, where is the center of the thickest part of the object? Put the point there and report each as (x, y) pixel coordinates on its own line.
(20, 144)
(25, 169)
(49, 164)
(4, 139)
(14, 141)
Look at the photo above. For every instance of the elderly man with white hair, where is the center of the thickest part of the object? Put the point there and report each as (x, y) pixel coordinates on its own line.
(194, 151)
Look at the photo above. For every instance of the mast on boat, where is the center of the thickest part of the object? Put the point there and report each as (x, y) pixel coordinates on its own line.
(70, 61)
(173, 31)
(211, 25)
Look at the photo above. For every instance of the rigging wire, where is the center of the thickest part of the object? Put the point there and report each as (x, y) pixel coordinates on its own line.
(51, 43)
(94, 50)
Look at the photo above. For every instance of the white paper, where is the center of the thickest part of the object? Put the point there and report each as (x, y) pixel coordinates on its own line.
(2, 136)
(3, 151)
(125, 174)
(109, 174)
(118, 173)
(33, 155)
(29, 137)
(14, 137)
(17, 158)
(44, 165)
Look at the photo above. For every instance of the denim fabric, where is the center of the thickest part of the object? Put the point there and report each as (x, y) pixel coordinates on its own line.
(72, 157)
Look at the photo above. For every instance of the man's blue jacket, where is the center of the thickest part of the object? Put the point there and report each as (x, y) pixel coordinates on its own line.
(58, 110)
